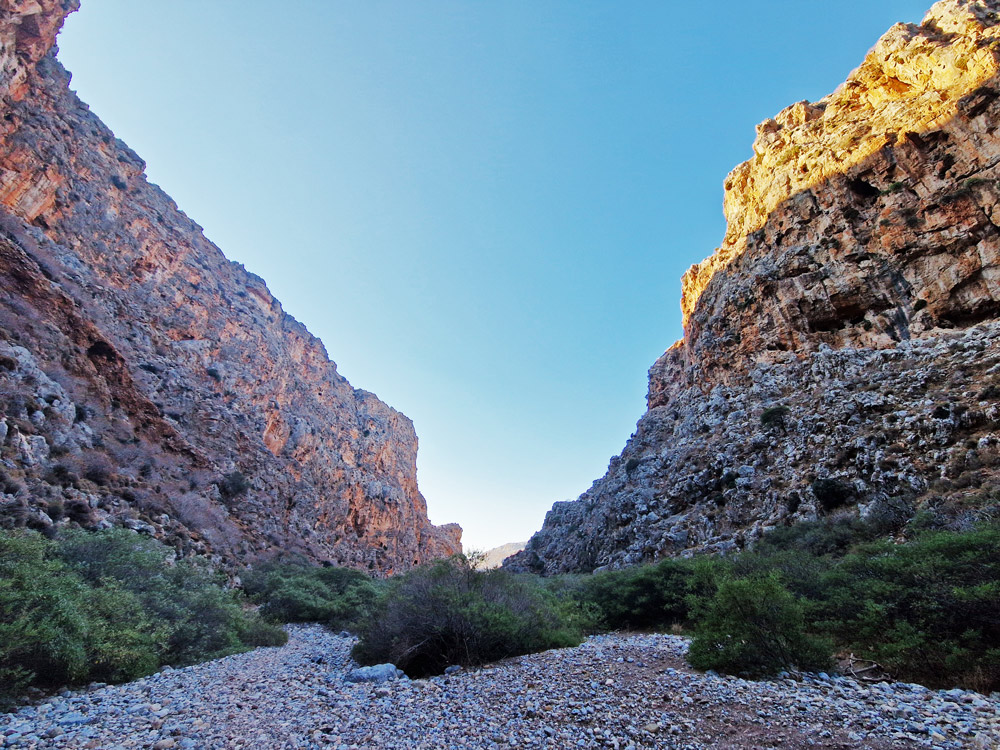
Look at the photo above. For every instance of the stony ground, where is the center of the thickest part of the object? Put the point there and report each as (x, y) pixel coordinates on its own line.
(614, 691)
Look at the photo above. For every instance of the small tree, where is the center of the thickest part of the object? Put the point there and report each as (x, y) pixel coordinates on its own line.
(755, 626)
(774, 416)
(448, 613)
(233, 484)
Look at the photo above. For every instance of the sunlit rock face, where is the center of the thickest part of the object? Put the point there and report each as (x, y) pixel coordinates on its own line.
(147, 381)
(856, 292)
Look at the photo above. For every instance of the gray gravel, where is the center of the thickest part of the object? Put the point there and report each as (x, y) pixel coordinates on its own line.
(614, 691)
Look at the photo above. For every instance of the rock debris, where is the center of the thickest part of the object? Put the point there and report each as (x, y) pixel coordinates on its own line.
(614, 691)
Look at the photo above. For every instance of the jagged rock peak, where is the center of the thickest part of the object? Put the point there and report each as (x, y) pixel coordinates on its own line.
(147, 381)
(857, 291)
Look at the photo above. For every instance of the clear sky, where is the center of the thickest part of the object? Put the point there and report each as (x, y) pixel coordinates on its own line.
(482, 208)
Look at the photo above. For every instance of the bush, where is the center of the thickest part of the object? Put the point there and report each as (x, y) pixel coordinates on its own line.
(57, 630)
(774, 416)
(801, 572)
(110, 606)
(123, 639)
(755, 626)
(926, 610)
(98, 472)
(233, 485)
(255, 632)
(832, 493)
(647, 597)
(336, 597)
(199, 617)
(833, 537)
(448, 613)
(43, 623)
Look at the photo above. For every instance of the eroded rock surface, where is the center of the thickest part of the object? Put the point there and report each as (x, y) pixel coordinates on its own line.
(145, 380)
(840, 348)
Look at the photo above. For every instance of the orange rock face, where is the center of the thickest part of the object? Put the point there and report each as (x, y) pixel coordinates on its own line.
(146, 380)
(856, 208)
(857, 290)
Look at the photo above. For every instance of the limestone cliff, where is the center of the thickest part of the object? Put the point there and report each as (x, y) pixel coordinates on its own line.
(840, 350)
(147, 381)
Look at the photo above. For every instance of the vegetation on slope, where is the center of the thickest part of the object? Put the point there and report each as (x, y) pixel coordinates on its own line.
(110, 606)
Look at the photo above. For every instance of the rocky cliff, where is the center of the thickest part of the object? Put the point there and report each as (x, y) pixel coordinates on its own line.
(840, 350)
(147, 381)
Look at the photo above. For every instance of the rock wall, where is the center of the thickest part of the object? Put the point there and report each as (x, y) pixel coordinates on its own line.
(840, 350)
(147, 381)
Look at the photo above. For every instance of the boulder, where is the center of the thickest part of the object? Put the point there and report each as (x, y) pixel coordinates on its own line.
(375, 673)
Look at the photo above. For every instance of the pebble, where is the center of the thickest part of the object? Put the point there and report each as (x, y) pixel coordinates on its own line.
(614, 691)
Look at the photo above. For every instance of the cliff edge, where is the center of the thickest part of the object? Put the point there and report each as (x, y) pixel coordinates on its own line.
(147, 381)
(840, 350)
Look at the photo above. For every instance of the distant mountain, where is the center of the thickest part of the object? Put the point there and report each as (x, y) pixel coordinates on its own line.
(494, 558)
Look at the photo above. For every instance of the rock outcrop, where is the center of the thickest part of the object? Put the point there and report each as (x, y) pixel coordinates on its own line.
(840, 350)
(147, 381)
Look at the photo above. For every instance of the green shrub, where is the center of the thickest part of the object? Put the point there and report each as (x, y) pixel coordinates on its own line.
(448, 613)
(288, 592)
(255, 632)
(198, 617)
(565, 594)
(816, 538)
(893, 187)
(43, 622)
(801, 572)
(646, 597)
(110, 606)
(123, 640)
(755, 626)
(926, 610)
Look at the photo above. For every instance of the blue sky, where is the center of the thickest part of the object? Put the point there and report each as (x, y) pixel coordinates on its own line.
(482, 208)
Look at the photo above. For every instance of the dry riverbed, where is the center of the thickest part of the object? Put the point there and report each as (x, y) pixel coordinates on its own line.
(614, 691)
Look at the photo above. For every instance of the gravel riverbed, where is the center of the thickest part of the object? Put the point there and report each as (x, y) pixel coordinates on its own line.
(614, 691)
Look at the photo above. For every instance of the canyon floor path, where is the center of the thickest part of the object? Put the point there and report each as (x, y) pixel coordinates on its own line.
(614, 691)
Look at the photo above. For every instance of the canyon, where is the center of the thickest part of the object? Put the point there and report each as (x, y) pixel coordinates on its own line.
(840, 352)
(148, 382)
